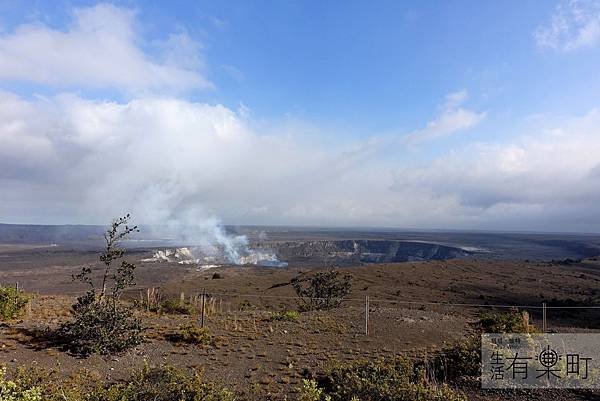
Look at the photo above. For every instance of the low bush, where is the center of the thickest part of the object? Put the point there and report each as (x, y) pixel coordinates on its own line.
(163, 384)
(397, 380)
(100, 327)
(455, 363)
(310, 391)
(12, 303)
(157, 384)
(49, 385)
(192, 334)
(287, 316)
(323, 290)
(15, 391)
(513, 321)
(176, 307)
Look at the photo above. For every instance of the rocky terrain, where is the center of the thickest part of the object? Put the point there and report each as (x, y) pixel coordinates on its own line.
(415, 308)
(423, 296)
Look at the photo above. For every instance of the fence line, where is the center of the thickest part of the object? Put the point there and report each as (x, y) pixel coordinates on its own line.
(389, 301)
(202, 296)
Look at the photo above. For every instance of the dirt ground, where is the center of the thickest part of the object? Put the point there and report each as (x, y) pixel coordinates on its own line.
(412, 311)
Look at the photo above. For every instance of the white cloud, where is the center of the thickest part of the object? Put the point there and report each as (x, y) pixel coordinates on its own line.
(541, 181)
(24, 135)
(452, 118)
(100, 49)
(153, 156)
(87, 161)
(575, 24)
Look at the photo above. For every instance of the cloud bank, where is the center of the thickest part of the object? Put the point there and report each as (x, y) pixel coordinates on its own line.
(68, 158)
(167, 159)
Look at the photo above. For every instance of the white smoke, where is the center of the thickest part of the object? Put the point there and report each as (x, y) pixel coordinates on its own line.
(207, 242)
(216, 257)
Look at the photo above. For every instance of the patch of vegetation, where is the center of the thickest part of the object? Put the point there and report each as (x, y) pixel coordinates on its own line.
(163, 384)
(50, 387)
(246, 305)
(454, 363)
(286, 316)
(323, 290)
(192, 334)
(513, 321)
(156, 384)
(16, 391)
(12, 303)
(397, 380)
(102, 324)
(310, 391)
(176, 307)
(100, 327)
(330, 324)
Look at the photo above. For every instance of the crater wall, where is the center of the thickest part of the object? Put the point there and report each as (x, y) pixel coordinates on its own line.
(362, 251)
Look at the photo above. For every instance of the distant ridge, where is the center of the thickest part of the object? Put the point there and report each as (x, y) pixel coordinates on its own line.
(499, 245)
(35, 234)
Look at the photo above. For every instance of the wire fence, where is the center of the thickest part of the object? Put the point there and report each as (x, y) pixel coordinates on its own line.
(365, 310)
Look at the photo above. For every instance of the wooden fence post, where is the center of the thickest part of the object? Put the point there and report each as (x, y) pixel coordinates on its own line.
(544, 324)
(366, 314)
(203, 301)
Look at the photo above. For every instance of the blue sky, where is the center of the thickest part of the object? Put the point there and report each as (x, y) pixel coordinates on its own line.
(361, 66)
(446, 112)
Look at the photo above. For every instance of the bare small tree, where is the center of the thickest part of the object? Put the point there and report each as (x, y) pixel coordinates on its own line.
(323, 290)
(101, 323)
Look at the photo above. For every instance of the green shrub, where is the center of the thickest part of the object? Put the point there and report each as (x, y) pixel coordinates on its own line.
(51, 386)
(149, 384)
(192, 334)
(309, 391)
(12, 303)
(100, 327)
(505, 322)
(176, 307)
(323, 290)
(163, 384)
(287, 316)
(15, 391)
(454, 363)
(398, 380)
(368, 380)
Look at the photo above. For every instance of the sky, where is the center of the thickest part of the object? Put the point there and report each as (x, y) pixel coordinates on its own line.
(460, 115)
